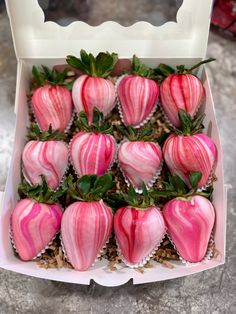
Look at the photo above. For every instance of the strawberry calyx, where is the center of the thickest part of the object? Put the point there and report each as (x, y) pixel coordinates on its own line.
(141, 69)
(132, 134)
(165, 70)
(99, 66)
(40, 193)
(131, 198)
(34, 133)
(175, 187)
(88, 187)
(189, 125)
(97, 126)
(46, 76)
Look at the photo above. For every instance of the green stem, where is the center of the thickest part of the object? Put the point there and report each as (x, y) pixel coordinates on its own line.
(200, 63)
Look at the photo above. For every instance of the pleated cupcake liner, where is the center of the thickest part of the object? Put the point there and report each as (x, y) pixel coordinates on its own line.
(101, 251)
(145, 259)
(206, 258)
(120, 107)
(39, 254)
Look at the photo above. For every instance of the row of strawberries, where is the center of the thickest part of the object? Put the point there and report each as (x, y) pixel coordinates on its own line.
(87, 224)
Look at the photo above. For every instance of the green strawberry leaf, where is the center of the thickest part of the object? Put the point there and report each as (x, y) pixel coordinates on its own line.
(178, 184)
(84, 183)
(99, 66)
(102, 184)
(186, 122)
(34, 133)
(165, 69)
(75, 62)
(195, 178)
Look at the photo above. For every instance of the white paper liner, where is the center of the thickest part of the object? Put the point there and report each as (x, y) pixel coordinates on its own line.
(207, 257)
(63, 177)
(150, 183)
(101, 251)
(144, 260)
(39, 254)
(108, 169)
(120, 107)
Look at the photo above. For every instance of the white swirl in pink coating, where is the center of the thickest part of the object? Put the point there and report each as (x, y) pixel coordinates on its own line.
(92, 153)
(85, 229)
(138, 97)
(189, 224)
(138, 232)
(180, 91)
(140, 161)
(52, 105)
(89, 92)
(48, 158)
(34, 225)
(186, 154)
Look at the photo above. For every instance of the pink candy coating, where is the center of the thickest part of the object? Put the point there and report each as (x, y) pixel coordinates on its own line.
(52, 105)
(89, 92)
(140, 161)
(180, 91)
(86, 226)
(138, 97)
(138, 232)
(34, 225)
(189, 224)
(185, 154)
(48, 158)
(92, 153)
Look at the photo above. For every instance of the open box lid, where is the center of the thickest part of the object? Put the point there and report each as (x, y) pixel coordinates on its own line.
(34, 38)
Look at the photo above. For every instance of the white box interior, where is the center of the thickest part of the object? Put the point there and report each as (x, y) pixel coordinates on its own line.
(99, 273)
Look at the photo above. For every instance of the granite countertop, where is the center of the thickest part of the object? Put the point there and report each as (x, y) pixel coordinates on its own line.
(212, 291)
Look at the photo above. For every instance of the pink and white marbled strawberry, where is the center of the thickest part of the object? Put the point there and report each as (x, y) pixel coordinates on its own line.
(193, 153)
(89, 92)
(190, 222)
(138, 233)
(49, 158)
(181, 91)
(140, 162)
(52, 105)
(94, 88)
(138, 98)
(85, 229)
(92, 153)
(34, 225)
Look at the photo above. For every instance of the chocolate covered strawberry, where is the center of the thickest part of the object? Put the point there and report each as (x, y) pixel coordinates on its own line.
(45, 155)
(138, 94)
(181, 90)
(51, 100)
(93, 150)
(189, 216)
(35, 221)
(139, 229)
(190, 151)
(93, 88)
(87, 223)
(139, 158)
(189, 223)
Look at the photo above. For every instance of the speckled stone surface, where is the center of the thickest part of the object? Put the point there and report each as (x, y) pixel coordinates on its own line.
(212, 291)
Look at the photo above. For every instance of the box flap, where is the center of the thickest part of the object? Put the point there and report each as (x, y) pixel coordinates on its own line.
(34, 38)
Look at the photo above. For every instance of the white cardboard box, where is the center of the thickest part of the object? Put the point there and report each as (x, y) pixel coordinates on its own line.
(47, 43)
